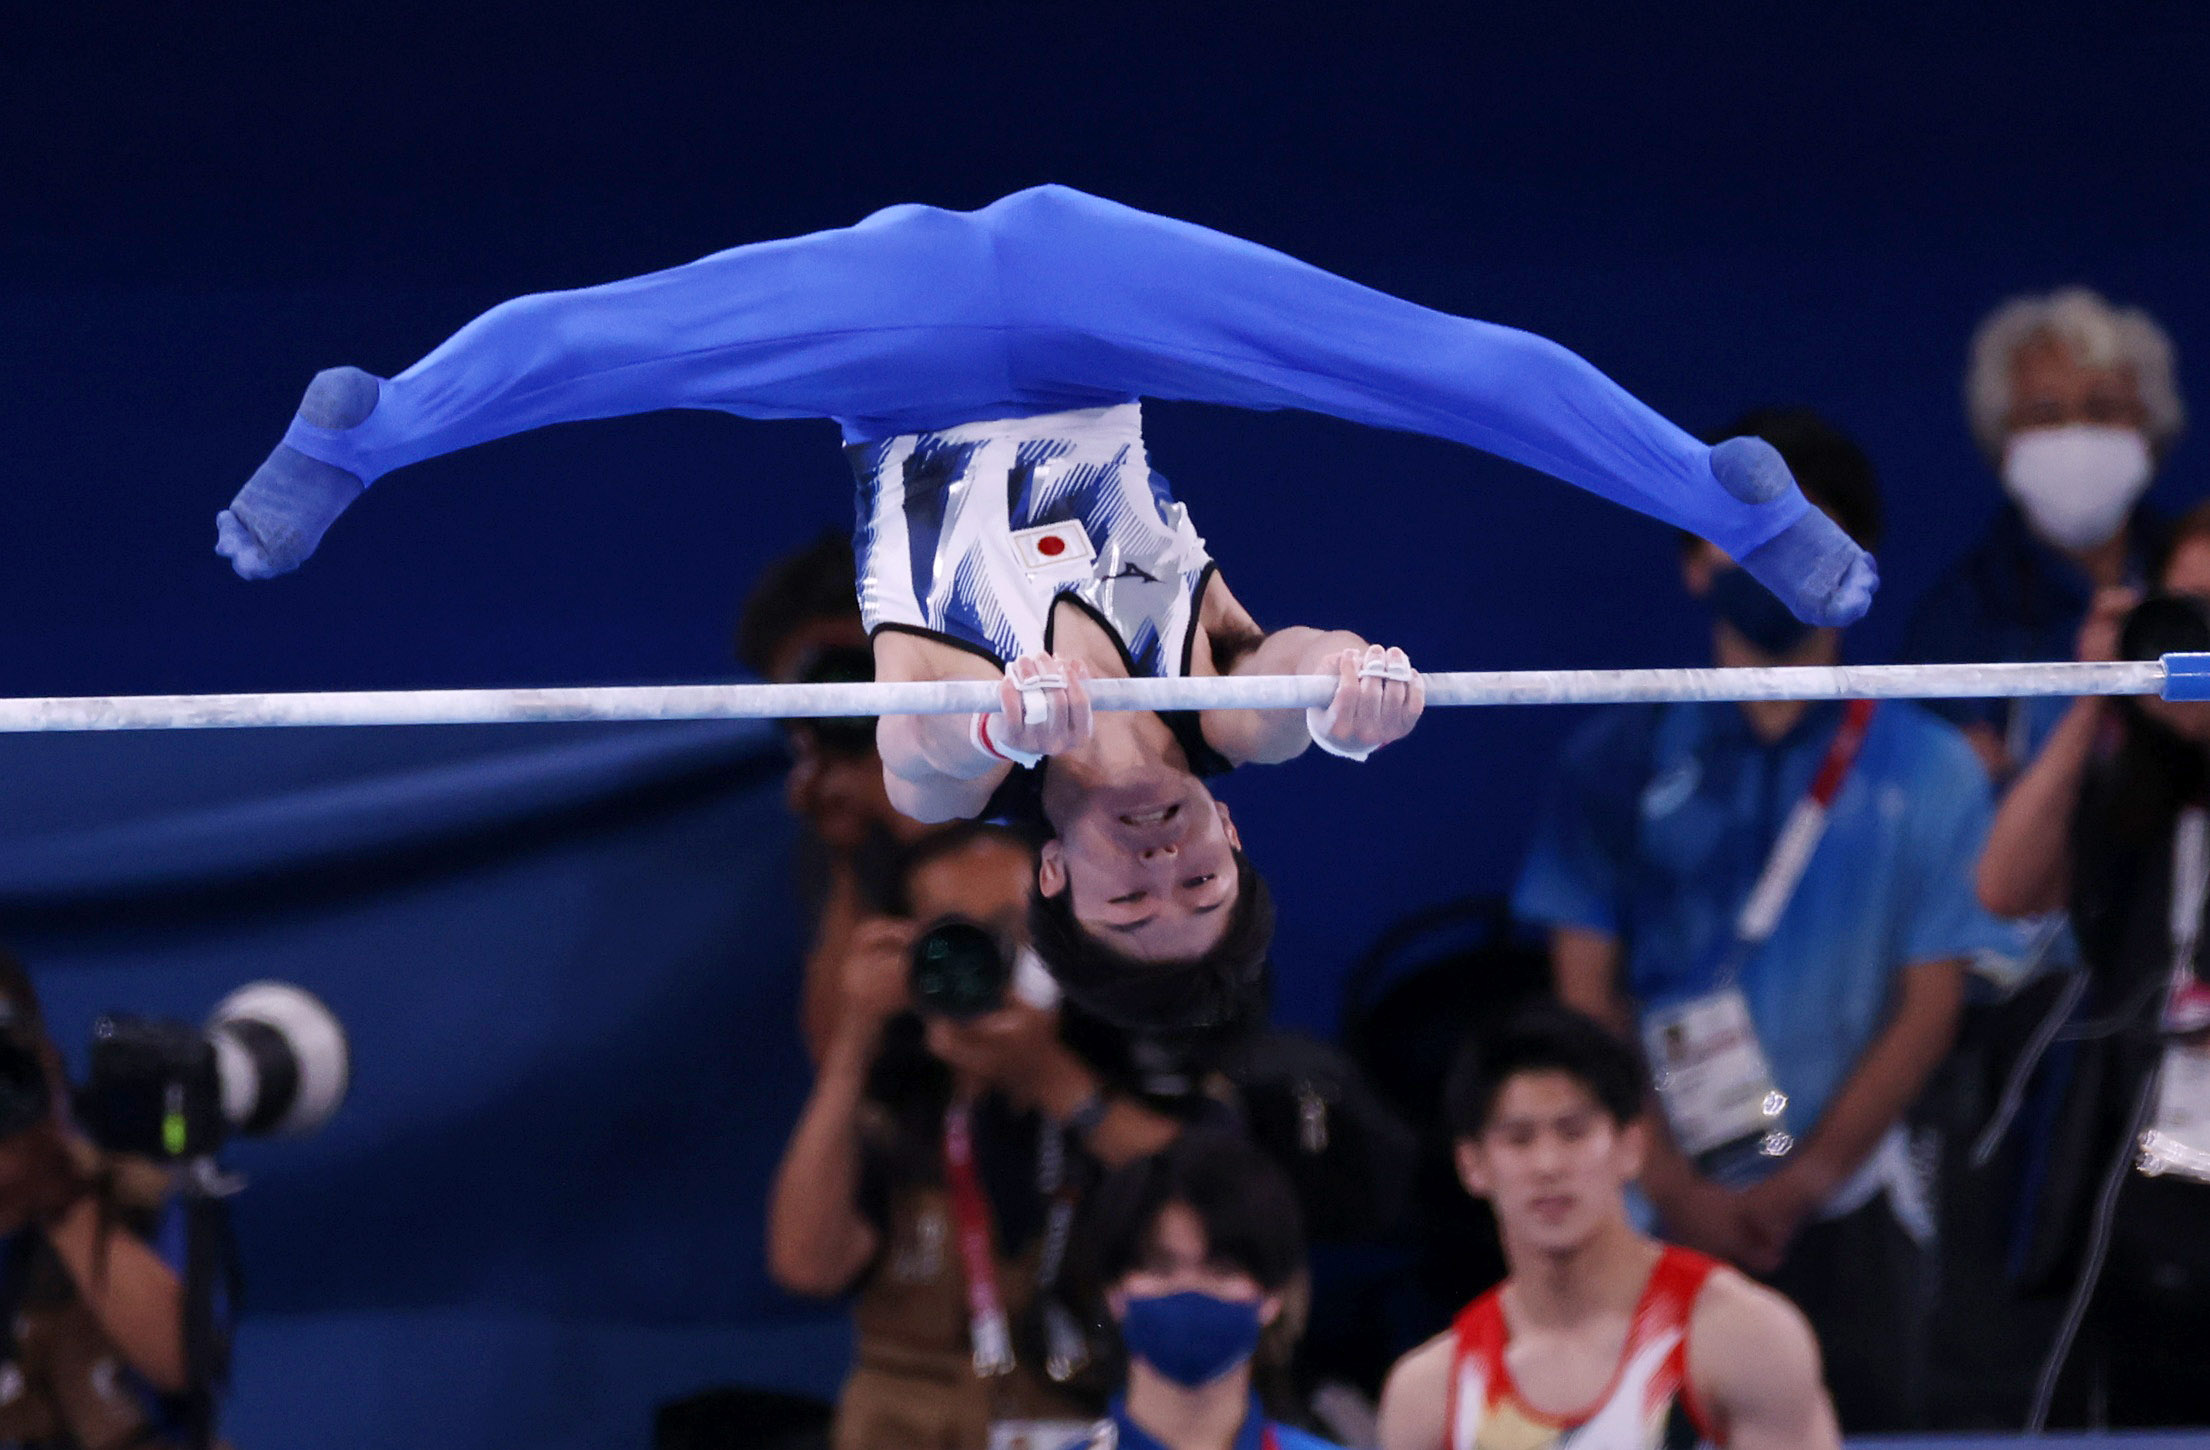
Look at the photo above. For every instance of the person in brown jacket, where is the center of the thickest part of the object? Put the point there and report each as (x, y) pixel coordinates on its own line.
(934, 1174)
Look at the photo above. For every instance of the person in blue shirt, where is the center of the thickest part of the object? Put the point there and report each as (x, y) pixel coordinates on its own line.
(1195, 1251)
(2072, 401)
(1785, 1153)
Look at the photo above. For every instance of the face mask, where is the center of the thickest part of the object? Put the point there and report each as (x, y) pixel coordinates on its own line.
(1191, 1338)
(1755, 613)
(2076, 483)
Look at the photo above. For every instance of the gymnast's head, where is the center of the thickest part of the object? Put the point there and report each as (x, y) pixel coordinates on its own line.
(1146, 909)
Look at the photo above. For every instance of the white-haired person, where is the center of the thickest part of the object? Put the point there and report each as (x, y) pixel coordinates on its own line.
(2073, 402)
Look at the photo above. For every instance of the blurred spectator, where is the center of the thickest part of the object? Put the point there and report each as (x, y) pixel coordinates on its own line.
(1598, 1336)
(1198, 1256)
(801, 622)
(1776, 898)
(802, 603)
(92, 1313)
(2109, 820)
(935, 1172)
(2072, 402)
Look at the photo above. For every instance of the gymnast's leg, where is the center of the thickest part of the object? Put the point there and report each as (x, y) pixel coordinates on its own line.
(1104, 295)
(853, 323)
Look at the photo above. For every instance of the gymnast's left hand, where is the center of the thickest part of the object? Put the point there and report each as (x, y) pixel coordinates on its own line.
(1378, 699)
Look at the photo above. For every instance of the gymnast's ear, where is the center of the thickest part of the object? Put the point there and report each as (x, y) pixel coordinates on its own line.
(1227, 824)
(1051, 868)
(1473, 1168)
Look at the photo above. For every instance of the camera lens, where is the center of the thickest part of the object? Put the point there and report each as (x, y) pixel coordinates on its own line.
(2165, 624)
(959, 970)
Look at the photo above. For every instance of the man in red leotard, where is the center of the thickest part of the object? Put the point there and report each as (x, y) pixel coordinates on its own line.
(1600, 1338)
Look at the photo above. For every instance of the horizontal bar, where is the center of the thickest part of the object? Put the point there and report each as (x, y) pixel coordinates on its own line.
(1200, 692)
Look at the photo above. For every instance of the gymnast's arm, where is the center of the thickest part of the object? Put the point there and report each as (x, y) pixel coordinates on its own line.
(1268, 737)
(942, 767)
(1415, 1399)
(1753, 1367)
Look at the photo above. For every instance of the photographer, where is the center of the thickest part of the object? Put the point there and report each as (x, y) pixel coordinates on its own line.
(801, 624)
(2109, 821)
(91, 1315)
(935, 1171)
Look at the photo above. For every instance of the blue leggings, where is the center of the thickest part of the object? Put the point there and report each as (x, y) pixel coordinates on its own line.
(1049, 299)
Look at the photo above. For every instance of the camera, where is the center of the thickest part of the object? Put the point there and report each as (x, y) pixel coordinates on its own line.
(272, 1060)
(2165, 624)
(959, 970)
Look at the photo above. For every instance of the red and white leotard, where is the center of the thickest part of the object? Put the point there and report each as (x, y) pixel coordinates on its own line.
(1647, 1406)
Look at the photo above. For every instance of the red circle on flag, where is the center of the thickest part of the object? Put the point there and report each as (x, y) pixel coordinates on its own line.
(1051, 545)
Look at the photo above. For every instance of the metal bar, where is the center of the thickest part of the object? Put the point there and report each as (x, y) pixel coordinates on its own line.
(957, 697)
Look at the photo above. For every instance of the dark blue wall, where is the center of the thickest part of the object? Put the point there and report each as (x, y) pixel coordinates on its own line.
(1722, 208)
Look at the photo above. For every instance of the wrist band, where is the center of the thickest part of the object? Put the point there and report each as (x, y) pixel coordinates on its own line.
(978, 731)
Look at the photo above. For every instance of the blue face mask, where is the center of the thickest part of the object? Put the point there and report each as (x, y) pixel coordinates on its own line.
(1755, 613)
(1191, 1338)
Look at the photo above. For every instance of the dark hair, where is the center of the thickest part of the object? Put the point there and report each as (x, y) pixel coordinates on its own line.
(1833, 471)
(1225, 985)
(1542, 1037)
(950, 839)
(1240, 1195)
(818, 581)
(20, 1013)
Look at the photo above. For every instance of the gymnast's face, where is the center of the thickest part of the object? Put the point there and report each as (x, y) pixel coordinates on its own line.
(1551, 1161)
(1151, 866)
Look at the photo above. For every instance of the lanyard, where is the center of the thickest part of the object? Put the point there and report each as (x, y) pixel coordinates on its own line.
(993, 1345)
(1800, 836)
(2187, 1007)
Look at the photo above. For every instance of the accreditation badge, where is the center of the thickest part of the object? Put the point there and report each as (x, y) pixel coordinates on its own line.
(2178, 1139)
(1712, 1076)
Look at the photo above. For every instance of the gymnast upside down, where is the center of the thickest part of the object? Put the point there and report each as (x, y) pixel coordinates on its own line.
(985, 369)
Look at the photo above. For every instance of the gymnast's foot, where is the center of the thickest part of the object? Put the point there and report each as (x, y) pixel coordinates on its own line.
(280, 515)
(1817, 570)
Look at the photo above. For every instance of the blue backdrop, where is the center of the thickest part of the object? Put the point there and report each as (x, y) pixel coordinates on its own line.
(1722, 208)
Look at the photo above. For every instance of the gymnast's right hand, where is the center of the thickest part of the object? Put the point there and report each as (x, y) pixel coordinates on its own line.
(1044, 709)
(1378, 699)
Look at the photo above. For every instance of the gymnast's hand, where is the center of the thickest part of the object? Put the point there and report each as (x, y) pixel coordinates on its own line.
(1043, 709)
(1378, 699)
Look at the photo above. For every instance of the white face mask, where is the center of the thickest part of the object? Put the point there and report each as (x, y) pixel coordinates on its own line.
(2076, 483)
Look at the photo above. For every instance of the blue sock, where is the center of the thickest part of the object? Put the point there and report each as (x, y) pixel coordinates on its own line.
(1817, 570)
(279, 517)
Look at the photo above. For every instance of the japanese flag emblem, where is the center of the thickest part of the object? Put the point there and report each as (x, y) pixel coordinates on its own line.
(1049, 546)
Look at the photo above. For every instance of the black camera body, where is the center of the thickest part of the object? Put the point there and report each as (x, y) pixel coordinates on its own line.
(271, 1061)
(155, 1089)
(959, 970)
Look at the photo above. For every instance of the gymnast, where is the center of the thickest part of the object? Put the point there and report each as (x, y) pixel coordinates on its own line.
(985, 369)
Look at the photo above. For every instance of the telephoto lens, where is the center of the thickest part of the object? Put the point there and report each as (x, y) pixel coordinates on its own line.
(960, 970)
